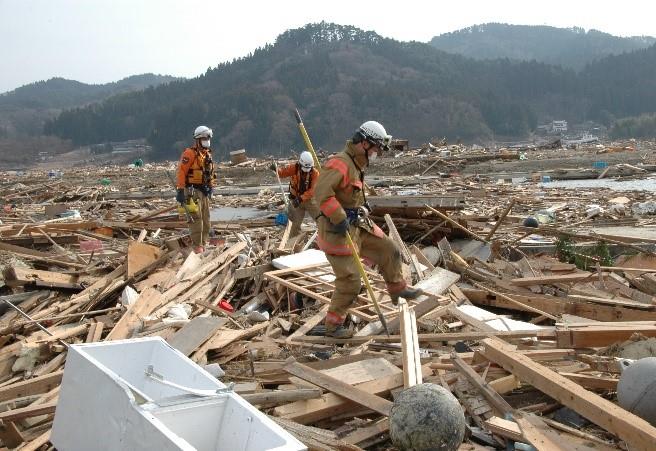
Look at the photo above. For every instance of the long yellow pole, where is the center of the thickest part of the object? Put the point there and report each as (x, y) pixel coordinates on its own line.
(354, 251)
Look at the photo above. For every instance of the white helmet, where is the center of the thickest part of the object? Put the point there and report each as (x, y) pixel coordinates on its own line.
(306, 161)
(375, 133)
(202, 132)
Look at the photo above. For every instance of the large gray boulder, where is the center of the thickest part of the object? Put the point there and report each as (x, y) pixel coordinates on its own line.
(427, 417)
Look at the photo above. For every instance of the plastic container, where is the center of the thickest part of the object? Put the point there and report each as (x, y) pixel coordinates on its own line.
(191, 206)
(281, 219)
(225, 305)
(546, 178)
(154, 398)
(600, 164)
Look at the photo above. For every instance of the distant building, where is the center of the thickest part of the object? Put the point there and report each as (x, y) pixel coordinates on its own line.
(400, 145)
(559, 126)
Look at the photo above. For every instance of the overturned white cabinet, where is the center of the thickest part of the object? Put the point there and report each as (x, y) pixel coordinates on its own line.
(143, 394)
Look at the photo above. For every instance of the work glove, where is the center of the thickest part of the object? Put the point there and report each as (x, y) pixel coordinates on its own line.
(296, 202)
(180, 195)
(341, 228)
(273, 167)
(209, 193)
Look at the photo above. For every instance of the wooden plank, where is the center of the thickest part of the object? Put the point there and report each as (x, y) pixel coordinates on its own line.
(515, 302)
(285, 236)
(505, 384)
(223, 337)
(421, 258)
(432, 338)
(635, 431)
(29, 387)
(504, 428)
(512, 430)
(353, 373)
(27, 412)
(180, 287)
(10, 435)
(588, 337)
(95, 332)
(148, 301)
(538, 434)
(548, 280)
(37, 442)
(314, 438)
(61, 334)
(37, 255)
(140, 255)
(410, 353)
(361, 371)
(97, 287)
(17, 276)
(500, 220)
(282, 396)
(361, 397)
(495, 400)
(195, 333)
(559, 306)
(331, 404)
(367, 432)
(532, 430)
(592, 382)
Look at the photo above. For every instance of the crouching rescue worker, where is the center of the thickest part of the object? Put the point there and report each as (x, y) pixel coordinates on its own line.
(341, 198)
(195, 181)
(303, 178)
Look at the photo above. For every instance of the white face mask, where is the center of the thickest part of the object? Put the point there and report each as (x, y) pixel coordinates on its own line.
(205, 143)
(373, 157)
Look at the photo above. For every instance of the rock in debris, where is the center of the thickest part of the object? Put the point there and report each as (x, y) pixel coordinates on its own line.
(427, 417)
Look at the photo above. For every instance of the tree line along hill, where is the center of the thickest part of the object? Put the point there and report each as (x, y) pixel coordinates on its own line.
(339, 76)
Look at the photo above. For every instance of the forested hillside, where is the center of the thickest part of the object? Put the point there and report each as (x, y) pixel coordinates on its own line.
(340, 76)
(567, 47)
(24, 110)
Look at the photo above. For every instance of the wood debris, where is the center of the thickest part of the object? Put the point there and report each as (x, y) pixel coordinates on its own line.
(527, 327)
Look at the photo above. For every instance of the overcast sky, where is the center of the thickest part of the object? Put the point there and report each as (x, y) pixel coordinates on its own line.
(98, 41)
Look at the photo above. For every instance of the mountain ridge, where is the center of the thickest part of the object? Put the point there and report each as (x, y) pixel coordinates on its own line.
(570, 47)
(25, 109)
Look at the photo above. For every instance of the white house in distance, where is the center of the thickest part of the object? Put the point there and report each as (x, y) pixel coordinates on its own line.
(559, 126)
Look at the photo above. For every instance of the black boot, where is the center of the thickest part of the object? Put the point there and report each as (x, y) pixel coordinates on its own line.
(334, 332)
(407, 293)
(338, 332)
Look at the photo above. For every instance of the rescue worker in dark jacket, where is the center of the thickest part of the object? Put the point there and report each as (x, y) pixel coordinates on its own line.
(303, 178)
(196, 180)
(341, 198)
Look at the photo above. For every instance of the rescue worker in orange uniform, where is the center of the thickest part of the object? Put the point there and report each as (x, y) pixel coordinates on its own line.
(341, 198)
(303, 178)
(196, 180)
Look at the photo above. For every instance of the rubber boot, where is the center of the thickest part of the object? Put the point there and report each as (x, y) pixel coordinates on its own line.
(407, 293)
